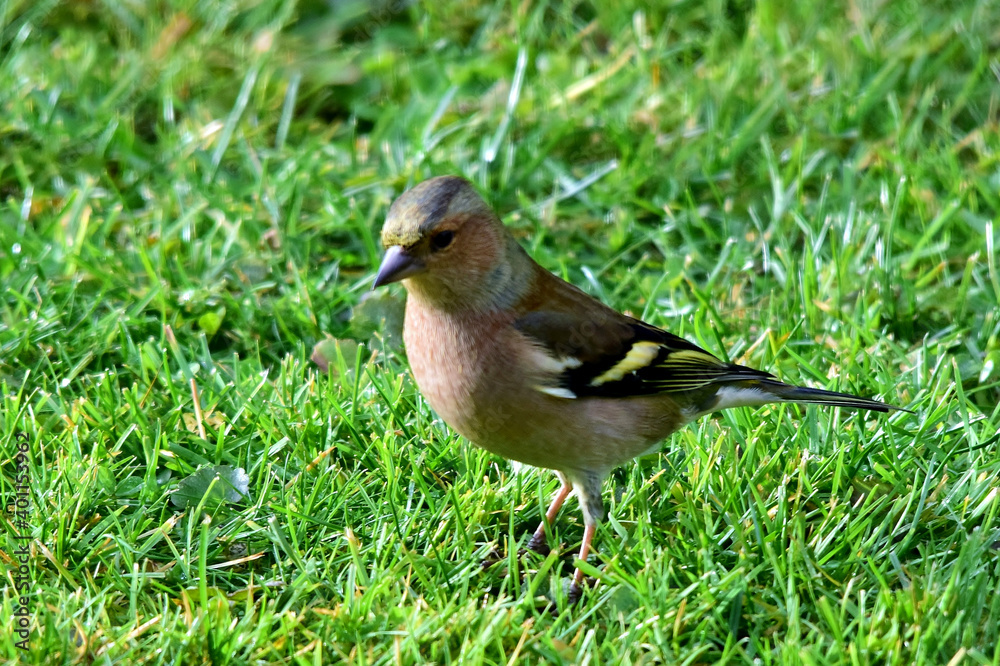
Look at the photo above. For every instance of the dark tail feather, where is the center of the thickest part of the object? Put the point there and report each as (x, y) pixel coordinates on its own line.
(789, 393)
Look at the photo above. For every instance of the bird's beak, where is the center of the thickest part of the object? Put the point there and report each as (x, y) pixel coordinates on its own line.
(396, 265)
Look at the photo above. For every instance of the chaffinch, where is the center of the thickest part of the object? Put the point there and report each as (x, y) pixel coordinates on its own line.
(525, 365)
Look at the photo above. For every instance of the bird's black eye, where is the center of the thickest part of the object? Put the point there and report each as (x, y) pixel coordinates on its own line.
(441, 240)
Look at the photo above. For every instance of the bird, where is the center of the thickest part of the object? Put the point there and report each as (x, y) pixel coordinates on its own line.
(531, 368)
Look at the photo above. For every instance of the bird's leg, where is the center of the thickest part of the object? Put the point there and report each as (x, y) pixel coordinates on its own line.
(588, 491)
(588, 536)
(537, 541)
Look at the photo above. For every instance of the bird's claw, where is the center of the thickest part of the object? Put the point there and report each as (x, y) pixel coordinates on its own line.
(537, 543)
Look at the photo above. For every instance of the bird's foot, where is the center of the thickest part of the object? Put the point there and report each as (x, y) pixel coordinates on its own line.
(537, 543)
(574, 589)
(494, 557)
(573, 593)
(575, 586)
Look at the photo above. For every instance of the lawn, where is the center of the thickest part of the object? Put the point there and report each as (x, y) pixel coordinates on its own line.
(191, 194)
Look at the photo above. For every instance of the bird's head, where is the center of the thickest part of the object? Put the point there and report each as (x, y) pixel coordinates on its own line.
(447, 244)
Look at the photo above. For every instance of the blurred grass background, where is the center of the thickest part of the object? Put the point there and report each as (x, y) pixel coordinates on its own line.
(191, 196)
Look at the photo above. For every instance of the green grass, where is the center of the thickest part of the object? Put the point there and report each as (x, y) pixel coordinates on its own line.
(190, 200)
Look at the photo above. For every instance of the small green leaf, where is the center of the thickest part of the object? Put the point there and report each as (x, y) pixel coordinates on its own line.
(379, 312)
(336, 355)
(129, 487)
(217, 485)
(211, 321)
